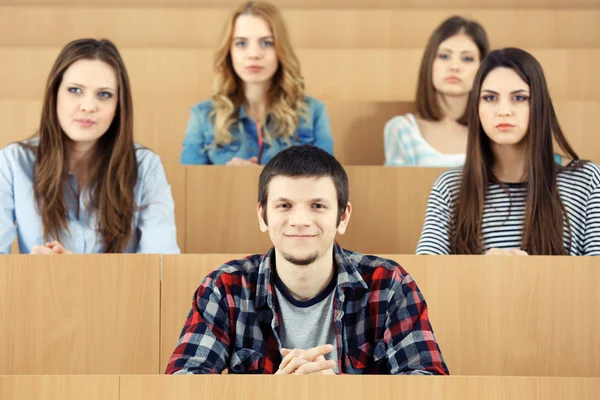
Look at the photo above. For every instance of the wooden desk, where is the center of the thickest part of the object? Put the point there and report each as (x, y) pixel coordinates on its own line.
(93, 314)
(59, 387)
(357, 387)
(498, 316)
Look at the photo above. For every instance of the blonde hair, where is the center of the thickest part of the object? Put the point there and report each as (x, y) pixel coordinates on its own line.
(286, 97)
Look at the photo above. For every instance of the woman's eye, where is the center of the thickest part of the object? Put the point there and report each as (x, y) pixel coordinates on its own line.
(488, 98)
(468, 59)
(75, 90)
(267, 43)
(239, 43)
(444, 56)
(105, 95)
(520, 98)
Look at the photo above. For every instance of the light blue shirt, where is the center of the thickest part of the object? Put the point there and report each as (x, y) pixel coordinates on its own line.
(199, 146)
(154, 224)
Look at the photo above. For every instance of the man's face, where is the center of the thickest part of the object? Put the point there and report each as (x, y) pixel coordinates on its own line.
(302, 216)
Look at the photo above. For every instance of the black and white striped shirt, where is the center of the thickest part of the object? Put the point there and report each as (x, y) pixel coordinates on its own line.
(503, 215)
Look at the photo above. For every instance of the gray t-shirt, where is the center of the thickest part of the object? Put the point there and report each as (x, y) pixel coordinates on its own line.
(307, 324)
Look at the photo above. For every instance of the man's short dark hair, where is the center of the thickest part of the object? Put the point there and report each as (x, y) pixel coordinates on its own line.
(304, 161)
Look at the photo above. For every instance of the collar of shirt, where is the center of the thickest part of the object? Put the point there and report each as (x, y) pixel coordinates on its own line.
(348, 276)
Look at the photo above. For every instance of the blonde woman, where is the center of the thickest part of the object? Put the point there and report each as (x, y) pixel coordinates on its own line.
(258, 107)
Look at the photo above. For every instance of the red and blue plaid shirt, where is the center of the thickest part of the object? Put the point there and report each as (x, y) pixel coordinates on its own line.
(380, 317)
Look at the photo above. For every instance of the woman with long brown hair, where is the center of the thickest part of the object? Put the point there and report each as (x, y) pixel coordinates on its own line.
(81, 185)
(436, 136)
(513, 196)
(258, 106)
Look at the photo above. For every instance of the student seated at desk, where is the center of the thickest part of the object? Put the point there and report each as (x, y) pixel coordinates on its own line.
(258, 106)
(513, 196)
(80, 184)
(307, 305)
(437, 135)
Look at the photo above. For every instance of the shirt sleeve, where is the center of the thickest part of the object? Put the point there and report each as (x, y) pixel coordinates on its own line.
(156, 222)
(411, 347)
(322, 127)
(435, 236)
(8, 230)
(591, 241)
(203, 346)
(193, 145)
(398, 151)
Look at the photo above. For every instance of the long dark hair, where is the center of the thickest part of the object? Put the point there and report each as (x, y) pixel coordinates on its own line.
(544, 211)
(113, 170)
(427, 102)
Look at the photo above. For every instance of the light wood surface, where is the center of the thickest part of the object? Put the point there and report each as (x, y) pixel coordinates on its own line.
(507, 316)
(340, 4)
(308, 27)
(388, 209)
(146, 387)
(331, 74)
(357, 387)
(63, 387)
(79, 314)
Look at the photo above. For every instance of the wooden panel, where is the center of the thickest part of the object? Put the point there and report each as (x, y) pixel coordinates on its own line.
(511, 315)
(92, 314)
(353, 28)
(340, 4)
(181, 276)
(59, 387)
(364, 74)
(508, 315)
(356, 387)
(388, 209)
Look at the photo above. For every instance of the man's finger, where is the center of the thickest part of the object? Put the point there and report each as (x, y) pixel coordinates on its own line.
(313, 353)
(315, 366)
(289, 357)
(293, 365)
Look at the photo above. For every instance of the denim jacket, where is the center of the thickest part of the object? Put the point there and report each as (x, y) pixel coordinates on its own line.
(199, 146)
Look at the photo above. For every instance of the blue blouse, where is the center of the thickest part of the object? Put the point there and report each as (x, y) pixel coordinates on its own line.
(199, 146)
(154, 224)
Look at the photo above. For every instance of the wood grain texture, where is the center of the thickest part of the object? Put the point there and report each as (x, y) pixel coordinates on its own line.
(346, 28)
(62, 387)
(79, 314)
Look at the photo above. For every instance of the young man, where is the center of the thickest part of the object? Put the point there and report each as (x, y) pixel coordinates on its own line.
(307, 306)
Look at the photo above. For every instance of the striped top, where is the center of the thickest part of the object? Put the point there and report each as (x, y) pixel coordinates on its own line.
(504, 211)
(404, 146)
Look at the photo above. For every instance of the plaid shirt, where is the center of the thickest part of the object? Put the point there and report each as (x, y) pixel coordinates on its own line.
(380, 318)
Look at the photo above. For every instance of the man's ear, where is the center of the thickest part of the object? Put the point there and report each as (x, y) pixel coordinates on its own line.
(261, 220)
(341, 229)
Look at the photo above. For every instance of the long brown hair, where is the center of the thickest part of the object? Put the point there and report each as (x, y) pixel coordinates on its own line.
(544, 211)
(427, 102)
(113, 171)
(286, 97)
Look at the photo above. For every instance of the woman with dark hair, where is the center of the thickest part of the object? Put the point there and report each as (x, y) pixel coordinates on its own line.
(437, 135)
(513, 196)
(80, 184)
